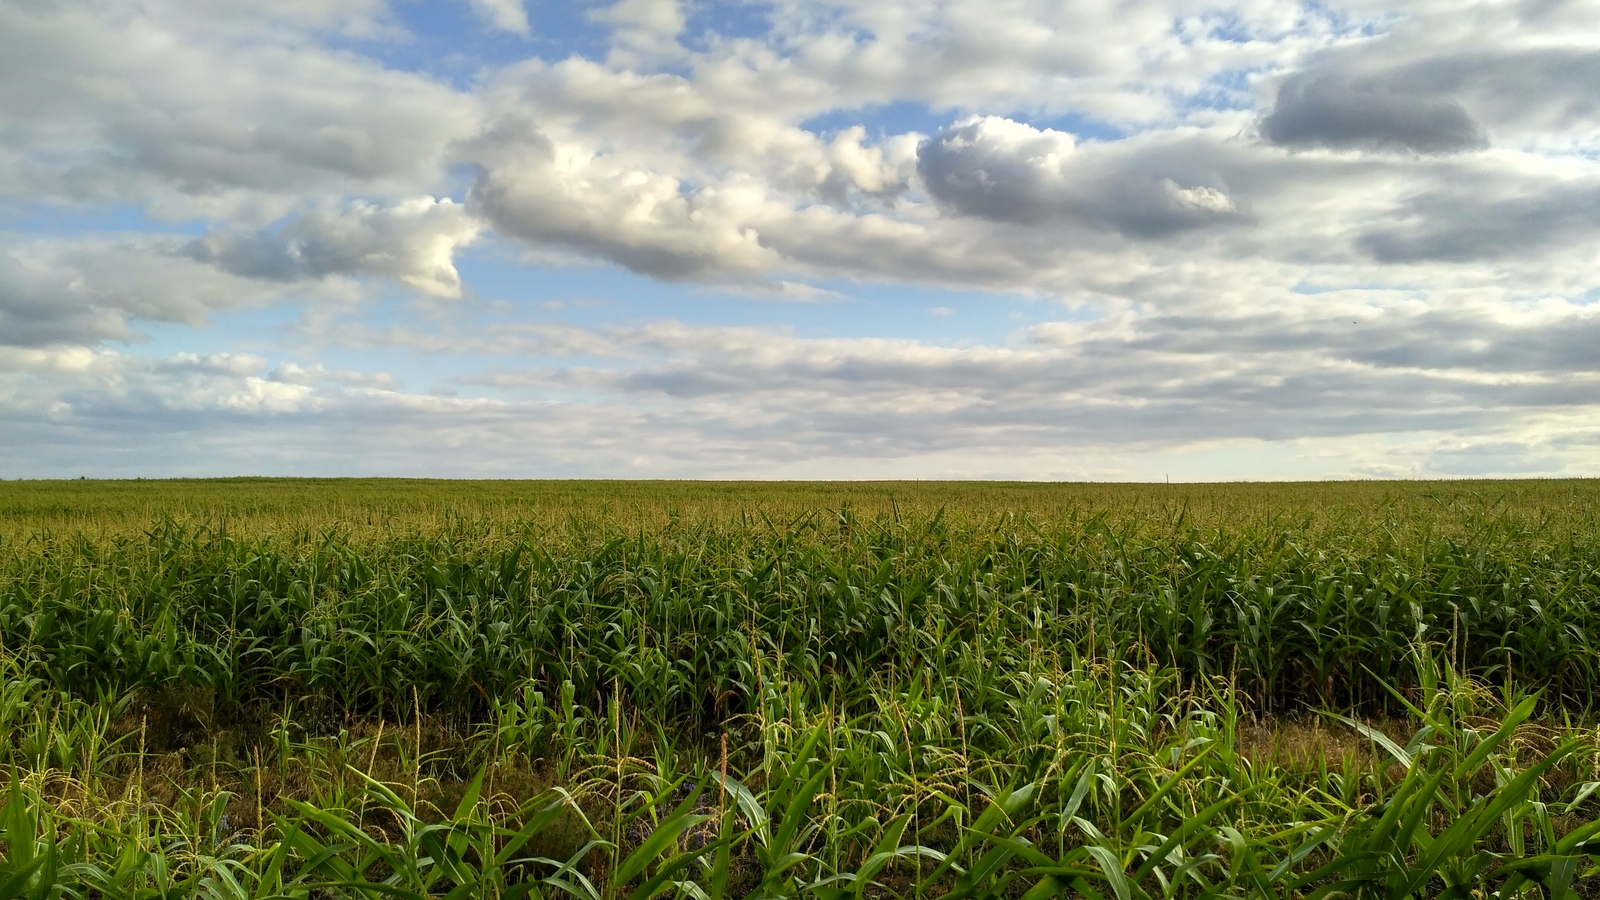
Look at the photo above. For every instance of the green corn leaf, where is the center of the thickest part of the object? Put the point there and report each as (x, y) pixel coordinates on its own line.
(665, 875)
(882, 853)
(513, 842)
(17, 877)
(1181, 836)
(1063, 885)
(794, 813)
(1111, 870)
(1480, 753)
(1168, 786)
(747, 803)
(372, 888)
(800, 761)
(664, 836)
(1459, 838)
(469, 799)
(1377, 737)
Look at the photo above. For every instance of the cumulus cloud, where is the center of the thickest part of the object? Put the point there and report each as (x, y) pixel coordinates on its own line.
(644, 30)
(1160, 169)
(703, 171)
(1439, 80)
(79, 387)
(1011, 172)
(649, 221)
(412, 242)
(1326, 111)
(652, 173)
(196, 116)
(90, 290)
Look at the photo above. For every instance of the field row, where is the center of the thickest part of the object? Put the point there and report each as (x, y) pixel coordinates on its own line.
(935, 695)
(688, 624)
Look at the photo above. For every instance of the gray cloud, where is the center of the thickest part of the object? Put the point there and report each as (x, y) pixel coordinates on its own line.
(54, 294)
(1461, 225)
(89, 290)
(205, 111)
(1329, 111)
(1474, 341)
(1445, 80)
(1155, 378)
(674, 399)
(1548, 87)
(688, 156)
(412, 242)
(1007, 171)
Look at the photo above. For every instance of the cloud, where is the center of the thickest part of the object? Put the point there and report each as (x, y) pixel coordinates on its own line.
(410, 241)
(1132, 63)
(1523, 89)
(1333, 380)
(1437, 78)
(663, 17)
(1412, 299)
(199, 116)
(88, 290)
(317, 373)
(77, 387)
(700, 168)
(1462, 224)
(1332, 365)
(644, 31)
(1326, 111)
(1008, 171)
(646, 220)
(506, 15)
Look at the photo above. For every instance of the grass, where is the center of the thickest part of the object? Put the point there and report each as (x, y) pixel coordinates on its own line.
(254, 688)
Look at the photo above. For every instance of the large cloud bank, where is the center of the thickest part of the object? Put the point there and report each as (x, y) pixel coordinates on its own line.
(1346, 238)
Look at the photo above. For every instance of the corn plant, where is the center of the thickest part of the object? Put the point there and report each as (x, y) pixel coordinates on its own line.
(288, 689)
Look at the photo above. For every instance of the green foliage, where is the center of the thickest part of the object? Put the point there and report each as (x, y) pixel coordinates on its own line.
(414, 690)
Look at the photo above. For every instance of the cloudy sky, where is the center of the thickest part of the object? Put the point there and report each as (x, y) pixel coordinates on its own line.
(1125, 239)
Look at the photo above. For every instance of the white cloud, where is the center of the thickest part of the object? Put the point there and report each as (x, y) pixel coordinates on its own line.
(195, 118)
(1406, 387)
(663, 17)
(548, 190)
(506, 15)
(317, 373)
(649, 173)
(1276, 224)
(643, 31)
(1125, 63)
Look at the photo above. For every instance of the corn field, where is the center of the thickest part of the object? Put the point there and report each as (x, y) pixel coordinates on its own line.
(391, 689)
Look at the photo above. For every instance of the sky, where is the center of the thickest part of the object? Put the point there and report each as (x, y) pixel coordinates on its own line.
(1129, 240)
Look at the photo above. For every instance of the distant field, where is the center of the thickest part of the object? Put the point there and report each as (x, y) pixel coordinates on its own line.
(1453, 507)
(406, 688)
